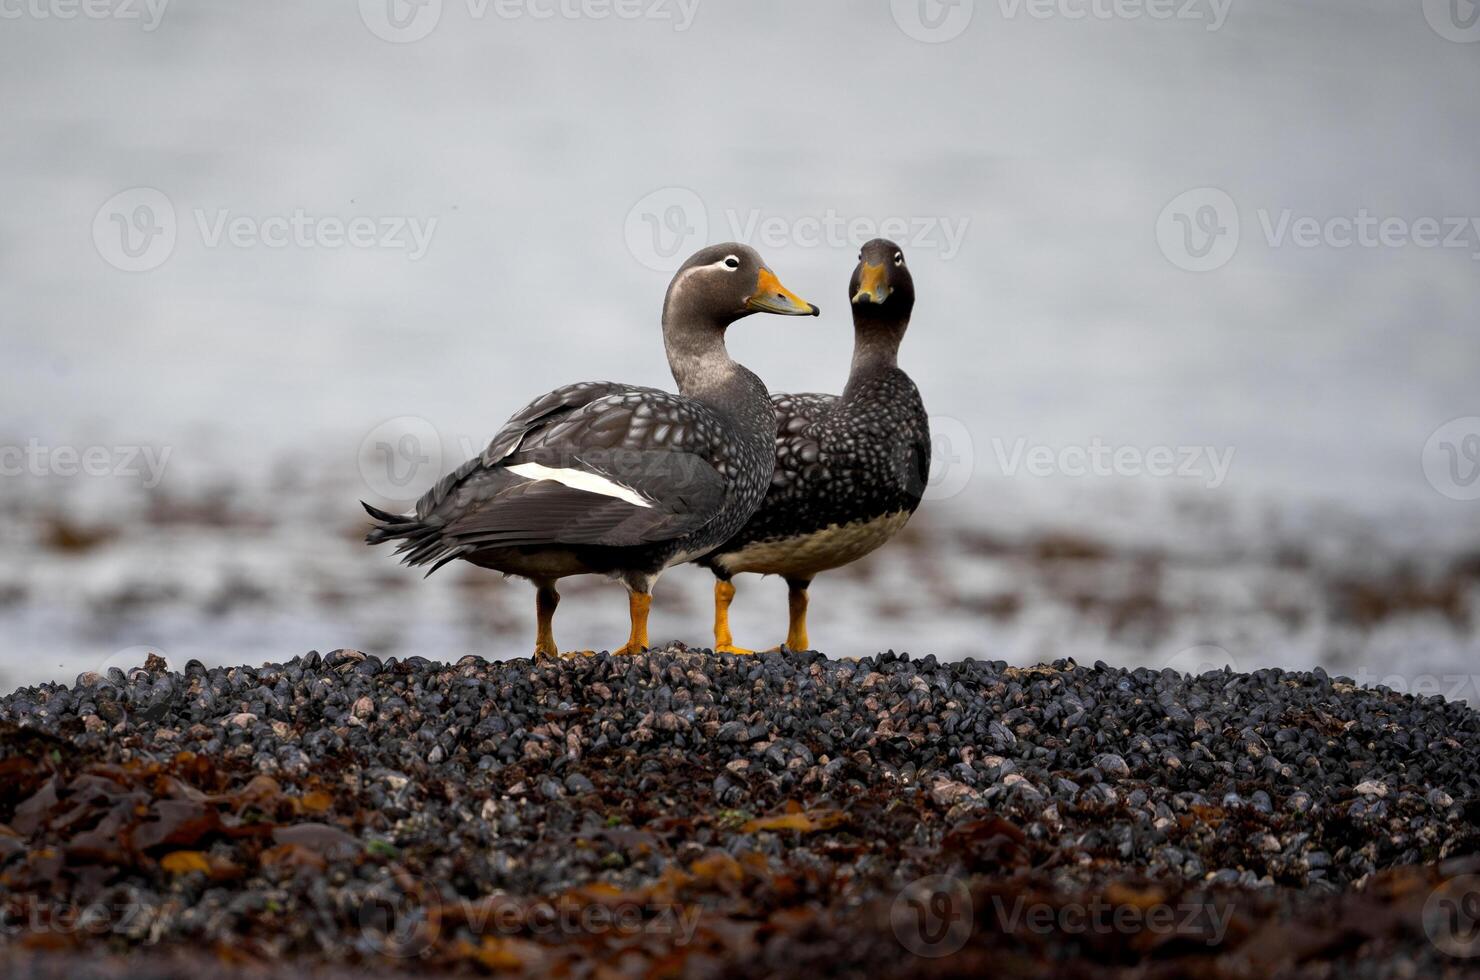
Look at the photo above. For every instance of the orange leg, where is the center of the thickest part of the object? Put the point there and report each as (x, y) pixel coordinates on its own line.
(724, 594)
(545, 601)
(796, 608)
(638, 604)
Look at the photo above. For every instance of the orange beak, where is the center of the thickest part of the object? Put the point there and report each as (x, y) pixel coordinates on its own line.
(871, 285)
(772, 297)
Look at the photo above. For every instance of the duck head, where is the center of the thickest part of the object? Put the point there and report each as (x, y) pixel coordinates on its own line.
(881, 288)
(715, 287)
(722, 283)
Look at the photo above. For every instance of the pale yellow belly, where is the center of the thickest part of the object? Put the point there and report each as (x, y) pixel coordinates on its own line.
(805, 556)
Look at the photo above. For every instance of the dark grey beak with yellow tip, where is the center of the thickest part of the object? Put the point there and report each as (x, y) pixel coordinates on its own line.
(873, 284)
(772, 297)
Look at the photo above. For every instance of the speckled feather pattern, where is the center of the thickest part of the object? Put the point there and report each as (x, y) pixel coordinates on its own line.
(840, 461)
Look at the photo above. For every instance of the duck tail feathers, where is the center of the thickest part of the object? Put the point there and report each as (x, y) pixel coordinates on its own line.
(410, 530)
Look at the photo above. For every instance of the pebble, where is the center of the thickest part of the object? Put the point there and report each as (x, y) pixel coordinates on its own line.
(507, 759)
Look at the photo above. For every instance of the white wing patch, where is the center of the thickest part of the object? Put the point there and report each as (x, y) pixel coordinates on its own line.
(581, 480)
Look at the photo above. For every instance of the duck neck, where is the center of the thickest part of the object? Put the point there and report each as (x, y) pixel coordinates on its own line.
(875, 348)
(697, 356)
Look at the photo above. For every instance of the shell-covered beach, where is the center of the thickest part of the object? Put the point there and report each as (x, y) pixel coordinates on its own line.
(685, 813)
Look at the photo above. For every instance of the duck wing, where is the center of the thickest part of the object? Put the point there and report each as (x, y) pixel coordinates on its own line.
(550, 408)
(595, 464)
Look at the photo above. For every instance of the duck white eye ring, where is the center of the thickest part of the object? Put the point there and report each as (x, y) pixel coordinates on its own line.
(731, 262)
(899, 258)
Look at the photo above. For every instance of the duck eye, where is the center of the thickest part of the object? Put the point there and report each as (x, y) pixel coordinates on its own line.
(731, 262)
(899, 258)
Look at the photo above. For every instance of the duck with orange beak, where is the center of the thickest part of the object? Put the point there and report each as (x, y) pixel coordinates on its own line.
(850, 469)
(614, 479)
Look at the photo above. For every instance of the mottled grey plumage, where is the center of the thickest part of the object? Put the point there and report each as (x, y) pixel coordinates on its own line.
(850, 469)
(608, 478)
(840, 461)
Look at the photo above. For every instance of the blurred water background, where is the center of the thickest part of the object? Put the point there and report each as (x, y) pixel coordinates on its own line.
(174, 300)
